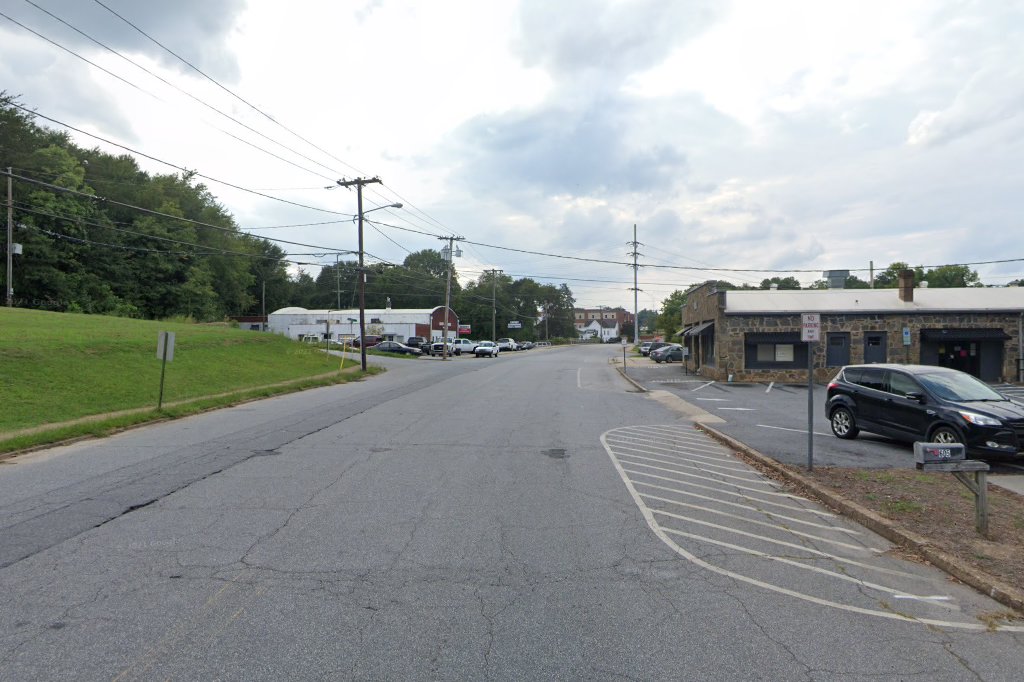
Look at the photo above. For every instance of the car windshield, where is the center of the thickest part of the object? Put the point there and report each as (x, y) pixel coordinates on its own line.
(958, 387)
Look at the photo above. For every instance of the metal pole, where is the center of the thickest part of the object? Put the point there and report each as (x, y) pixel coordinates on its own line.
(163, 369)
(810, 406)
(9, 282)
(447, 297)
(362, 283)
(636, 309)
(337, 277)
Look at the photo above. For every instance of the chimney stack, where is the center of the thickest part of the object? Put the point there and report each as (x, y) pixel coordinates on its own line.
(907, 286)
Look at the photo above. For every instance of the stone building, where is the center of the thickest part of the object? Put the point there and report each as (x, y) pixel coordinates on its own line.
(754, 335)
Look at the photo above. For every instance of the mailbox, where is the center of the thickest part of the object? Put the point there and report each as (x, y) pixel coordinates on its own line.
(932, 453)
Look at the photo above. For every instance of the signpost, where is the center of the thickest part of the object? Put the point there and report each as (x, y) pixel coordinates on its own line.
(810, 331)
(164, 353)
(515, 324)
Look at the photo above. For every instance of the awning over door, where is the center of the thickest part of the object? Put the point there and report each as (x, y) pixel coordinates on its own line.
(964, 335)
(698, 329)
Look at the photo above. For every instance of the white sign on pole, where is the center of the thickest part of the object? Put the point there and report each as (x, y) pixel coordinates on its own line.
(515, 324)
(165, 341)
(810, 327)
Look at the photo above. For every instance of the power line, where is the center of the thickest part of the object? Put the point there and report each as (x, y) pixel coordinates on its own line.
(168, 163)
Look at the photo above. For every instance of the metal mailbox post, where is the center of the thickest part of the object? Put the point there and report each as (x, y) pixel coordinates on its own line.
(951, 458)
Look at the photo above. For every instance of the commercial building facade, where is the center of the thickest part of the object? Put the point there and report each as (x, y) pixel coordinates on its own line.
(754, 335)
(390, 324)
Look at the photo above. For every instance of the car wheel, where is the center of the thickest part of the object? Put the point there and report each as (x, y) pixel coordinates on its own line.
(945, 434)
(843, 423)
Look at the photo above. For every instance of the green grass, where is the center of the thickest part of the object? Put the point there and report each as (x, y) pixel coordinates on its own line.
(59, 367)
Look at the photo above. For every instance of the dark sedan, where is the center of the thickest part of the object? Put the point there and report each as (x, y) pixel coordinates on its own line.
(396, 347)
(924, 403)
(672, 351)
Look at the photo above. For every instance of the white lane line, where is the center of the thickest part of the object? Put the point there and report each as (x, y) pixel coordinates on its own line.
(783, 428)
(707, 449)
(921, 598)
(747, 507)
(797, 564)
(703, 385)
(697, 561)
(746, 479)
(770, 384)
(755, 500)
(774, 526)
(739, 409)
(688, 457)
(759, 491)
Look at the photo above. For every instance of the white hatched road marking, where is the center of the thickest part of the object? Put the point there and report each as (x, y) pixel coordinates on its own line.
(704, 385)
(619, 446)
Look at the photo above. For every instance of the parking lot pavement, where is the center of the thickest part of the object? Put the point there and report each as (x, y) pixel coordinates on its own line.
(773, 419)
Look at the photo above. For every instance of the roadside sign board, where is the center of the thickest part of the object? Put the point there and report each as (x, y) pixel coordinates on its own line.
(165, 342)
(515, 324)
(810, 327)
(464, 329)
(906, 336)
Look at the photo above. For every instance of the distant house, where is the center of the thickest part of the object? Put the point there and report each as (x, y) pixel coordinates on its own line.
(754, 335)
(390, 324)
(583, 317)
(600, 329)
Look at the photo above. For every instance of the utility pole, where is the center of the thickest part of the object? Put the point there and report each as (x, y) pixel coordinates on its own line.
(337, 278)
(9, 282)
(494, 308)
(359, 182)
(449, 253)
(636, 267)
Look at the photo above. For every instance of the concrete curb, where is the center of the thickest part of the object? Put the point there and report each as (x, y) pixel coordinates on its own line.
(951, 564)
(639, 388)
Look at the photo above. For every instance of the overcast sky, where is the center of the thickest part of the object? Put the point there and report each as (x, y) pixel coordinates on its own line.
(784, 136)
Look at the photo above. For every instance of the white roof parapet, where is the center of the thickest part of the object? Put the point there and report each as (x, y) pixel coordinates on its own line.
(984, 299)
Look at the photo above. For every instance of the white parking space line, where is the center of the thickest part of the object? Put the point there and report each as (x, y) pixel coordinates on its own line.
(729, 511)
(809, 536)
(797, 564)
(739, 409)
(704, 385)
(783, 428)
(770, 384)
(757, 500)
(773, 515)
(709, 400)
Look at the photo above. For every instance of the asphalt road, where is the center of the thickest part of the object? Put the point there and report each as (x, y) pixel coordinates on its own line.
(527, 517)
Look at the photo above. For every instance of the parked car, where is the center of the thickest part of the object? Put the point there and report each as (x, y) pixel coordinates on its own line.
(486, 348)
(525, 345)
(370, 341)
(507, 344)
(924, 403)
(668, 353)
(645, 348)
(438, 348)
(655, 345)
(396, 347)
(418, 342)
(463, 346)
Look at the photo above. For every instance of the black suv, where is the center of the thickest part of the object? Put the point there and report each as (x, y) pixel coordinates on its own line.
(924, 403)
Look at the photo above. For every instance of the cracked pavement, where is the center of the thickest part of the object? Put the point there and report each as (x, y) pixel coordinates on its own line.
(373, 530)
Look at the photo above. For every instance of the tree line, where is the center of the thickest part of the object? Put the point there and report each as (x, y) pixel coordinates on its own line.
(100, 235)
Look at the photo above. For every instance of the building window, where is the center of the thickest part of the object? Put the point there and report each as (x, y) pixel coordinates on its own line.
(774, 351)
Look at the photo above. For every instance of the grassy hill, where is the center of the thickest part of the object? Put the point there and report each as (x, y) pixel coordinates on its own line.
(59, 367)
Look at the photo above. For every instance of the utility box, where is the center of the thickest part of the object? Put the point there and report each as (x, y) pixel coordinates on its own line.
(938, 453)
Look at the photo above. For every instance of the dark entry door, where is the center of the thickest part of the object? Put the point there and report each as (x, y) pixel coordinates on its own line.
(837, 350)
(874, 347)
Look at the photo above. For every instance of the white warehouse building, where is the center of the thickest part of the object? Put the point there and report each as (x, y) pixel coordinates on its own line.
(390, 324)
